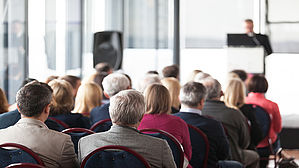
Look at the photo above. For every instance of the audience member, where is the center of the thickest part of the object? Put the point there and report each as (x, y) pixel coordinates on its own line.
(171, 71)
(234, 97)
(173, 86)
(257, 87)
(158, 109)
(233, 121)
(98, 79)
(3, 102)
(112, 84)
(88, 97)
(152, 72)
(241, 74)
(130, 80)
(147, 80)
(126, 110)
(54, 148)
(192, 97)
(74, 81)
(63, 103)
(193, 74)
(201, 76)
(50, 78)
(104, 67)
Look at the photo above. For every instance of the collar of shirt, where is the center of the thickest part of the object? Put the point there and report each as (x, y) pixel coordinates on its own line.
(190, 110)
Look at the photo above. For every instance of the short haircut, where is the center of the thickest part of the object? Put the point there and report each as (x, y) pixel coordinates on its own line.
(248, 20)
(127, 107)
(33, 98)
(27, 80)
(200, 76)
(63, 100)
(71, 79)
(234, 95)
(193, 74)
(241, 73)
(157, 99)
(171, 71)
(192, 93)
(152, 72)
(213, 87)
(258, 84)
(147, 80)
(103, 67)
(114, 83)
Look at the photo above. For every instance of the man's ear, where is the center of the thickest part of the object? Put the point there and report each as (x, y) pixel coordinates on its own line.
(47, 109)
(106, 95)
(202, 102)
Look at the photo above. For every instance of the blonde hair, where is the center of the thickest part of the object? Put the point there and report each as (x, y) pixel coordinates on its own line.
(157, 99)
(3, 102)
(234, 96)
(62, 101)
(173, 86)
(89, 96)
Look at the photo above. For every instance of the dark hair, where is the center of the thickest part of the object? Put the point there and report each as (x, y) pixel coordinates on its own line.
(152, 72)
(27, 80)
(248, 20)
(241, 73)
(33, 98)
(71, 79)
(103, 67)
(258, 83)
(171, 71)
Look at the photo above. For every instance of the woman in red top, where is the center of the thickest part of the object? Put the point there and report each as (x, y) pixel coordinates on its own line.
(158, 109)
(257, 87)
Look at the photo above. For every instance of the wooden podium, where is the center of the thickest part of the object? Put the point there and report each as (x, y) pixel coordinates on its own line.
(250, 59)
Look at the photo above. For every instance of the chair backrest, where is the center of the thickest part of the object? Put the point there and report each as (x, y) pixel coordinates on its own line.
(114, 156)
(174, 144)
(263, 119)
(18, 154)
(200, 147)
(25, 165)
(59, 122)
(76, 134)
(101, 126)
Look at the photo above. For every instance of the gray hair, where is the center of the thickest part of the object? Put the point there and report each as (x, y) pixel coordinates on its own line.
(147, 80)
(200, 76)
(213, 87)
(127, 107)
(115, 83)
(192, 93)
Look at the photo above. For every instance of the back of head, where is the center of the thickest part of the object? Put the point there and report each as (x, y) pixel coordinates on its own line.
(89, 96)
(127, 107)
(192, 93)
(241, 74)
(171, 71)
(71, 79)
(98, 78)
(50, 78)
(234, 96)
(213, 87)
(193, 74)
(62, 97)
(173, 86)
(258, 84)
(114, 83)
(147, 80)
(152, 72)
(33, 98)
(27, 80)
(103, 67)
(3, 102)
(157, 99)
(200, 76)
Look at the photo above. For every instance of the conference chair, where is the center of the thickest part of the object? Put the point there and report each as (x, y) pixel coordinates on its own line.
(264, 120)
(200, 147)
(101, 126)
(114, 156)
(76, 134)
(15, 153)
(24, 165)
(174, 144)
(59, 122)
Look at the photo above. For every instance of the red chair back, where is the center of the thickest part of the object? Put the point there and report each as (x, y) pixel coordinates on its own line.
(59, 122)
(24, 165)
(101, 126)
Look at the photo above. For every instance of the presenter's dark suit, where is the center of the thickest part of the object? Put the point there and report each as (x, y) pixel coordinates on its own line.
(219, 147)
(263, 40)
(12, 117)
(99, 113)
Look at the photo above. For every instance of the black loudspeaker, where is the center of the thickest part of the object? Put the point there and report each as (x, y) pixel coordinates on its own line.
(108, 47)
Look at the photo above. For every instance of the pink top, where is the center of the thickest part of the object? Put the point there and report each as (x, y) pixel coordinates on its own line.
(273, 110)
(171, 124)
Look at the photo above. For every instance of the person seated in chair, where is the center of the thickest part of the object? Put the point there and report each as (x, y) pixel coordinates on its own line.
(126, 110)
(54, 148)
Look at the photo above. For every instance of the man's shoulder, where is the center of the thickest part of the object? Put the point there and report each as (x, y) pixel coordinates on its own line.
(103, 107)
(9, 118)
